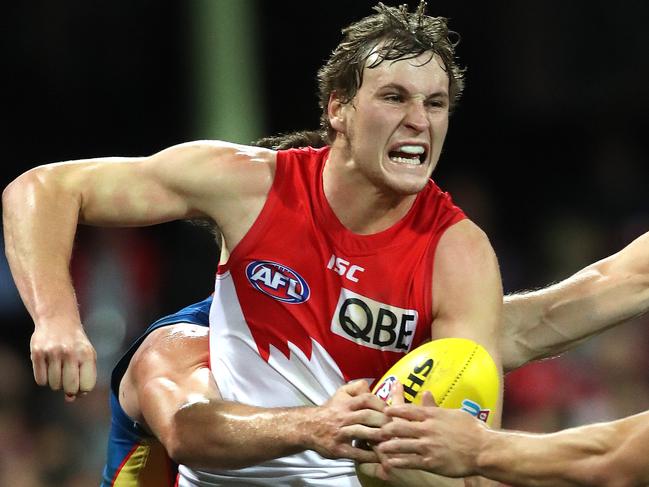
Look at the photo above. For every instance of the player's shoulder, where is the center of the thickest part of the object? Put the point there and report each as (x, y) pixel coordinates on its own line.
(229, 151)
(218, 170)
(216, 157)
(171, 346)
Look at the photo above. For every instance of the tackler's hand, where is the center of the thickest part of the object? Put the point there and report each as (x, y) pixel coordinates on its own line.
(427, 437)
(353, 413)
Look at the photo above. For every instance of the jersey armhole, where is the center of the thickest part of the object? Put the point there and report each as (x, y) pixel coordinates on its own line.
(264, 218)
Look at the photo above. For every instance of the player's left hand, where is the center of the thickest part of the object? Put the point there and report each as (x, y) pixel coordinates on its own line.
(442, 441)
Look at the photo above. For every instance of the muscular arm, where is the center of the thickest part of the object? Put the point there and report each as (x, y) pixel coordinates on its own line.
(42, 208)
(468, 290)
(467, 294)
(607, 454)
(549, 321)
(169, 388)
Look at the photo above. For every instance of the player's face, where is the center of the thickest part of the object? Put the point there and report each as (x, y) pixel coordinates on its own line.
(397, 122)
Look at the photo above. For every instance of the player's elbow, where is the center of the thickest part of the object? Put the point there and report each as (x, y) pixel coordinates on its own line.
(14, 192)
(195, 438)
(40, 185)
(515, 353)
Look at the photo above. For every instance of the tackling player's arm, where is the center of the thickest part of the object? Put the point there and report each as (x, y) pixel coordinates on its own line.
(168, 388)
(42, 207)
(606, 454)
(549, 321)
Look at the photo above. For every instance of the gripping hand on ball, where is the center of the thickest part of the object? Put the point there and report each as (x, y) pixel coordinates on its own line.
(443, 441)
(352, 413)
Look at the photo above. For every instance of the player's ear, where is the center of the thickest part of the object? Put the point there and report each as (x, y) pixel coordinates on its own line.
(336, 111)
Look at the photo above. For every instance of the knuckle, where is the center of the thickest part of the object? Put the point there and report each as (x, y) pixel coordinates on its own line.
(36, 353)
(56, 350)
(89, 353)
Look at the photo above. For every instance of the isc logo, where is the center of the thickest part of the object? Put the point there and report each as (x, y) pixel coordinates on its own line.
(344, 268)
(278, 281)
(373, 324)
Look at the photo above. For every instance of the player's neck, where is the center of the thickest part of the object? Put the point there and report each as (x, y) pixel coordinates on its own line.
(361, 206)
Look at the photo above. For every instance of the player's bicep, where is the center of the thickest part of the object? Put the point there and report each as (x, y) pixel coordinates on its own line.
(169, 372)
(467, 292)
(467, 289)
(125, 192)
(175, 183)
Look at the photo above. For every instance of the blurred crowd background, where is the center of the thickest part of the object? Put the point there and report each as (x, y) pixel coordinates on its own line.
(547, 151)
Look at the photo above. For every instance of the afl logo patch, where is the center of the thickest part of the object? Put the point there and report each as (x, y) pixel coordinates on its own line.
(384, 391)
(278, 281)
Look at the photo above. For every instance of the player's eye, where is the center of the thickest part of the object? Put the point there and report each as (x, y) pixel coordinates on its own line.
(393, 97)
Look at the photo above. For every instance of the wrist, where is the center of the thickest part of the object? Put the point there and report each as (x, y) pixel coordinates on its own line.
(490, 443)
(304, 427)
(57, 314)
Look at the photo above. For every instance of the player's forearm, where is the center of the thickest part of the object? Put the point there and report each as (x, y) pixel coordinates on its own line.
(547, 322)
(233, 435)
(39, 220)
(594, 455)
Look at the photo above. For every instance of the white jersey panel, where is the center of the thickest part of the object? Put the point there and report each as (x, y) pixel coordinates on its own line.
(242, 375)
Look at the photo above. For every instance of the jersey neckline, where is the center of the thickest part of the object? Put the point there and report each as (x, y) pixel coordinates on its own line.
(345, 237)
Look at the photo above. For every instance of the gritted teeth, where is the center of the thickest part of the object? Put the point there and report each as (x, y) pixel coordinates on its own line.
(408, 154)
(411, 149)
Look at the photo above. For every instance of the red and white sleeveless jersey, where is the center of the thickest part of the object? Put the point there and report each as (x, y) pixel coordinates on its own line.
(304, 305)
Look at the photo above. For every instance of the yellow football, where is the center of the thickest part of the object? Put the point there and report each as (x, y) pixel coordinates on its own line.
(458, 372)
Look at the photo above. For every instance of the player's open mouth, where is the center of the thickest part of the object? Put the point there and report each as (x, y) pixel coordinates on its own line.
(408, 154)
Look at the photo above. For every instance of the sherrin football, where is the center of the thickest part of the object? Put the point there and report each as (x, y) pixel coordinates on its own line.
(458, 372)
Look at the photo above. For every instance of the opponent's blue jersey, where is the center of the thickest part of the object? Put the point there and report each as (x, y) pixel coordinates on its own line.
(135, 458)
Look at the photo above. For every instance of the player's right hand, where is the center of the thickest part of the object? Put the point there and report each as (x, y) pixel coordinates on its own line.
(63, 358)
(352, 413)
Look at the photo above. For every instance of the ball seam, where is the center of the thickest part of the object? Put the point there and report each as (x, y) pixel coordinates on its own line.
(459, 375)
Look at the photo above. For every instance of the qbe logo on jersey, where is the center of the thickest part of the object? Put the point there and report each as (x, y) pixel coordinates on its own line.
(278, 281)
(373, 324)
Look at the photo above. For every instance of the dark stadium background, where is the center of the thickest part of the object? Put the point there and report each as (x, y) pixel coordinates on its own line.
(547, 151)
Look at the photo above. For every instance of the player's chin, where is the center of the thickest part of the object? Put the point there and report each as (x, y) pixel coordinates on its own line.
(406, 180)
(409, 185)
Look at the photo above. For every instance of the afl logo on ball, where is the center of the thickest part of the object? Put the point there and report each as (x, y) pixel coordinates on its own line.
(278, 281)
(384, 391)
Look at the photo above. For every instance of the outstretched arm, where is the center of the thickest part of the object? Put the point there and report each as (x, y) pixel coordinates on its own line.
(42, 207)
(451, 442)
(169, 388)
(546, 322)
